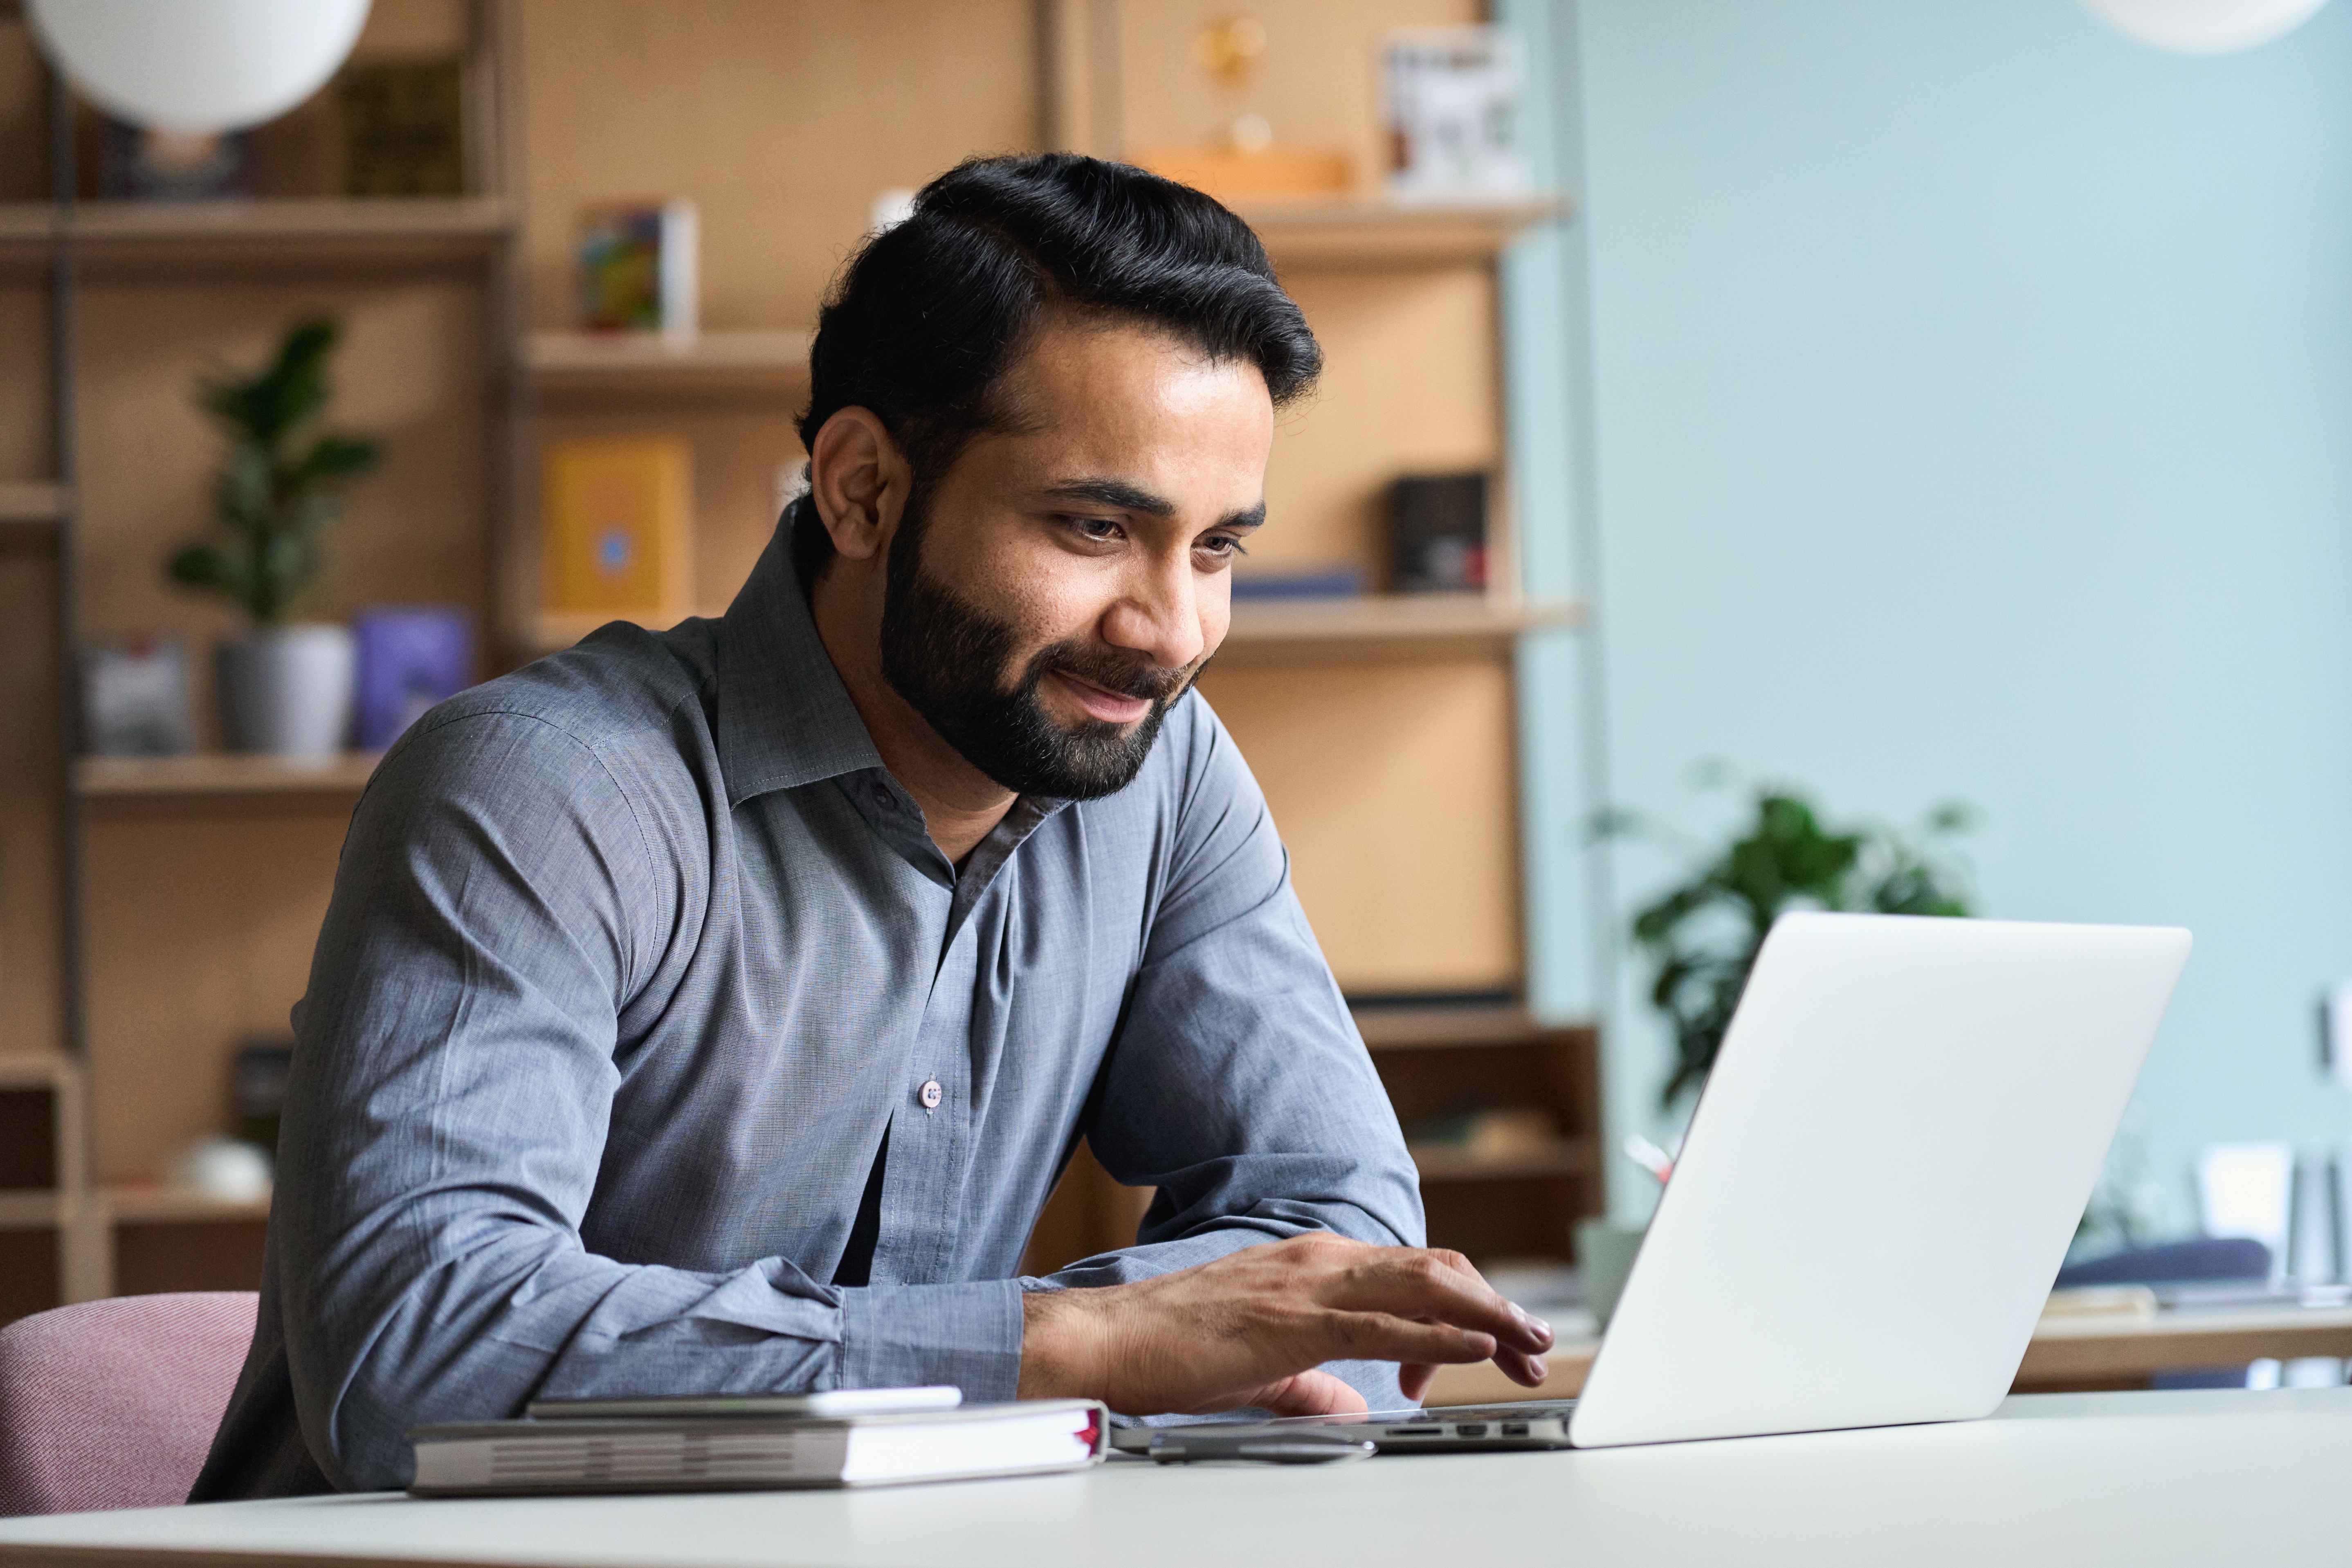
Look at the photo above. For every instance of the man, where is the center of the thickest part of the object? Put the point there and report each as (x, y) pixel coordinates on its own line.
(714, 1009)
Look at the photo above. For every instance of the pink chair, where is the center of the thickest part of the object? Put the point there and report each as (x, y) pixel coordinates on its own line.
(112, 1403)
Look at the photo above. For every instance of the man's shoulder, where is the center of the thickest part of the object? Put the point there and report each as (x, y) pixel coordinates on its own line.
(628, 697)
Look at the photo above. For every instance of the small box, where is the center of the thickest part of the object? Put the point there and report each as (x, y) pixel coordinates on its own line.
(617, 518)
(637, 268)
(410, 658)
(1450, 97)
(1437, 533)
(134, 696)
(404, 127)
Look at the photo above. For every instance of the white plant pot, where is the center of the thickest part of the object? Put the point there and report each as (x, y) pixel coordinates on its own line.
(285, 691)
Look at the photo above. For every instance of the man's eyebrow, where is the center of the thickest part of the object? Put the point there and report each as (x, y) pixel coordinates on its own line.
(1114, 493)
(1125, 497)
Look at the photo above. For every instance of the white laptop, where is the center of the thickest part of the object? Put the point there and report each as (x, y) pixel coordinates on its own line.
(1880, 1182)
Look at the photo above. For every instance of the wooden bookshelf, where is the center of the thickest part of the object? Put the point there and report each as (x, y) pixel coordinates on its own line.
(29, 514)
(221, 773)
(643, 364)
(1375, 232)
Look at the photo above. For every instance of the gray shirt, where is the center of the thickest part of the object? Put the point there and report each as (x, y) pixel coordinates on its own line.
(634, 958)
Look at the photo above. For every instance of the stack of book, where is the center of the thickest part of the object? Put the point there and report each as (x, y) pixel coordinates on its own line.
(853, 1437)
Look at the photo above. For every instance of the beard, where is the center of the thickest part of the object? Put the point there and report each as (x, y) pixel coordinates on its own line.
(947, 657)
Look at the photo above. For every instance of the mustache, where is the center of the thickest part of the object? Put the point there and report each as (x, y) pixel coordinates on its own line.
(1113, 672)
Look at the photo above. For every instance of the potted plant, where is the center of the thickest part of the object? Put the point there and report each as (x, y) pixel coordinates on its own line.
(285, 688)
(1703, 934)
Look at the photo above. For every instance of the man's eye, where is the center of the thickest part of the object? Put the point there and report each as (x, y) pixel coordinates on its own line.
(1223, 546)
(1101, 529)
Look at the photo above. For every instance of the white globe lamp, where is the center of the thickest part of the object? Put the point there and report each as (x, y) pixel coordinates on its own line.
(194, 67)
(2204, 26)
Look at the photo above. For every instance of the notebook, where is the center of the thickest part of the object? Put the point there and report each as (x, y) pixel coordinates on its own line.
(727, 1453)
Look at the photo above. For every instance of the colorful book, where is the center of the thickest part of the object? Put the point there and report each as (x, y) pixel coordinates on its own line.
(638, 268)
(617, 519)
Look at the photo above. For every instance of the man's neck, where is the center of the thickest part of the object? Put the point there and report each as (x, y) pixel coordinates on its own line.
(961, 805)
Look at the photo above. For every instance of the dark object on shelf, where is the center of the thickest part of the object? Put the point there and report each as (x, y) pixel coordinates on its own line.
(134, 698)
(257, 1089)
(404, 128)
(135, 163)
(1320, 582)
(410, 658)
(1437, 533)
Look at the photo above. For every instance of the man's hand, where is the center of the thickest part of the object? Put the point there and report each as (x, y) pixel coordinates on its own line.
(1250, 1329)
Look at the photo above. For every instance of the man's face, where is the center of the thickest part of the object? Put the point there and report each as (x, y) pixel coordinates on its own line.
(1065, 580)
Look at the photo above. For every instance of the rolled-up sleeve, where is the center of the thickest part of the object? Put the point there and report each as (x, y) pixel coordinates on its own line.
(453, 1080)
(1238, 1086)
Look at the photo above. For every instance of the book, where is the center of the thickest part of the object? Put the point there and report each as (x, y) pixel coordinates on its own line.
(638, 268)
(618, 516)
(827, 1404)
(737, 1453)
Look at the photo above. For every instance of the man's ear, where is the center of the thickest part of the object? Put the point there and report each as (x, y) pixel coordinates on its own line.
(858, 480)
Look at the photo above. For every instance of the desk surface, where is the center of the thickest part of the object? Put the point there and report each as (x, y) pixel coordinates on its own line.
(2136, 1478)
(2065, 1351)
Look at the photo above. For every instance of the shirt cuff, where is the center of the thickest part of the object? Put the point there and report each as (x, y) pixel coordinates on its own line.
(900, 1336)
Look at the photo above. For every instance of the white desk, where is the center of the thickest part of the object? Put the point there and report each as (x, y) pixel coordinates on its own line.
(2138, 1479)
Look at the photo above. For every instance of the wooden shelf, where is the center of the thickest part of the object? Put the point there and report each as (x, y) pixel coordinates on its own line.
(156, 1202)
(1372, 231)
(1372, 627)
(647, 363)
(281, 231)
(32, 1209)
(1388, 627)
(29, 514)
(1451, 1028)
(35, 1069)
(1440, 1163)
(22, 502)
(217, 774)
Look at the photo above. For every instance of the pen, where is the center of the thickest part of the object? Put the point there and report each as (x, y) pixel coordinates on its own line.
(1265, 1448)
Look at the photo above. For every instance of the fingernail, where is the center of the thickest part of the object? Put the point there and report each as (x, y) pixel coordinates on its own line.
(1539, 1326)
(1536, 1364)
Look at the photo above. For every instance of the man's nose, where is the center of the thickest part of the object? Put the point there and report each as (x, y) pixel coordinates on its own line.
(1159, 617)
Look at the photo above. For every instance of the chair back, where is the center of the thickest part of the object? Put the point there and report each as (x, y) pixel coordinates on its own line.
(113, 1404)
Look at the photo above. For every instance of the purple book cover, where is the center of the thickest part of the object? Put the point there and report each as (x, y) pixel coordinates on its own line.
(410, 658)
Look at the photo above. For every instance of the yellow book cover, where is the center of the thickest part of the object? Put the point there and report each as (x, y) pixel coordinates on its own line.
(617, 518)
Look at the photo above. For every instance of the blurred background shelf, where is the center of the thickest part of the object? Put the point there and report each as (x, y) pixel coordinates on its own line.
(276, 231)
(1568, 1157)
(652, 363)
(159, 1202)
(1388, 626)
(30, 1210)
(29, 515)
(1374, 626)
(220, 774)
(1374, 232)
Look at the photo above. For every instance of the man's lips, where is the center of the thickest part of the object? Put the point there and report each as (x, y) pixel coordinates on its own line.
(1101, 703)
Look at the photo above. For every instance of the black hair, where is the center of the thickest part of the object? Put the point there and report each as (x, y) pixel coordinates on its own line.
(929, 314)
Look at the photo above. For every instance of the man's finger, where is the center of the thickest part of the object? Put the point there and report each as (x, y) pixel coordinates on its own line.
(1379, 1336)
(1413, 1283)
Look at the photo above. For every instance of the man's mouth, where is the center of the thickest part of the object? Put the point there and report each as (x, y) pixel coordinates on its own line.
(1101, 703)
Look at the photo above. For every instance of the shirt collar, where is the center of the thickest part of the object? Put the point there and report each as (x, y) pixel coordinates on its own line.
(784, 718)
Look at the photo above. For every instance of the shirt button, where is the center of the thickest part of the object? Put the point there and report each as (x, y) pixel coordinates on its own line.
(930, 1094)
(882, 796)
